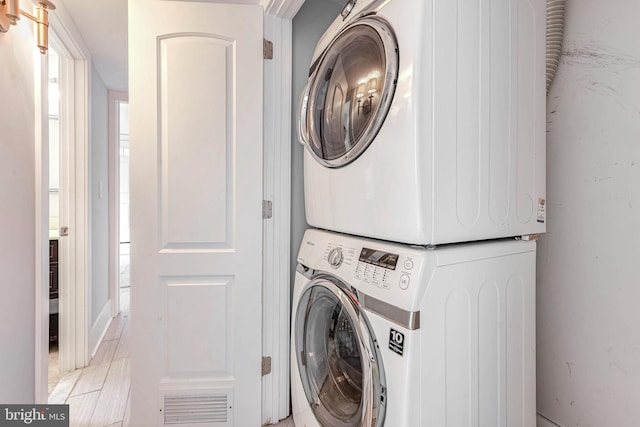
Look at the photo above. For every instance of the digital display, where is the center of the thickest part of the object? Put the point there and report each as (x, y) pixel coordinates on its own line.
(379, 258)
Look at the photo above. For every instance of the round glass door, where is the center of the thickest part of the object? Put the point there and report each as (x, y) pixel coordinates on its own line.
(351, 91)
(337, 358)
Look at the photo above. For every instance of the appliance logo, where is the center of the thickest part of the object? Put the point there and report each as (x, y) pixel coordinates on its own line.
(396, 341)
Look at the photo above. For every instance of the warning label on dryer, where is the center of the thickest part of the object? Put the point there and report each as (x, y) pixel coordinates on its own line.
(542, 210)
(396, 341)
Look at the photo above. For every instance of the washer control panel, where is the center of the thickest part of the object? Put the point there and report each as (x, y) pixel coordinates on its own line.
(384, 269)
(335, 257)
(337, 254)
(373, 267)
(376, 267)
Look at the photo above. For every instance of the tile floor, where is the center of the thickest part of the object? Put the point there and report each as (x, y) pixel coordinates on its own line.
(286, 423)
(98, 395)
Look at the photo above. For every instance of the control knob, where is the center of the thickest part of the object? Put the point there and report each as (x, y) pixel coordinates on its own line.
(335, 257)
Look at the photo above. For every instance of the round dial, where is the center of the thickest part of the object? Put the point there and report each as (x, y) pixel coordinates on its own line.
(335, 257)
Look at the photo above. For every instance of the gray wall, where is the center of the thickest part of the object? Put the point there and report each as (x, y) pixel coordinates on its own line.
(589, 261)
(17, 216)
(99, 217)
(308, 26)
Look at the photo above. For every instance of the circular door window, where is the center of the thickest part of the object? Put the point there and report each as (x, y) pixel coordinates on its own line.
(351, 91)
(337, 358)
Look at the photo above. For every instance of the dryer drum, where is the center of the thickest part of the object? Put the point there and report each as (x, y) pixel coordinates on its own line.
(350, 92)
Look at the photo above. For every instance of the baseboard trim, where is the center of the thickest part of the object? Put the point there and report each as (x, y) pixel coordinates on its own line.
(99, 328)
(545, 422)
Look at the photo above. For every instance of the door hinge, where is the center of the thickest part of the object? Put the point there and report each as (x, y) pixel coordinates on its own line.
(267, 209)
(266, 365)
(267, 49)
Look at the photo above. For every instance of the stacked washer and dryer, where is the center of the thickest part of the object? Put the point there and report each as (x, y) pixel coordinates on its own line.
(424, 175)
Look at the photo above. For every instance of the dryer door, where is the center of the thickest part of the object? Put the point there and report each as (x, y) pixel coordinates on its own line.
(350, 91)
(338, 357)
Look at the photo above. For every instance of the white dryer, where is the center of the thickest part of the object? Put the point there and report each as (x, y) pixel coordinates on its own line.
(424, 121)
(400, 336)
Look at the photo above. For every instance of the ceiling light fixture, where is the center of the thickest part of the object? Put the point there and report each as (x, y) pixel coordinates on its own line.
(10, 15)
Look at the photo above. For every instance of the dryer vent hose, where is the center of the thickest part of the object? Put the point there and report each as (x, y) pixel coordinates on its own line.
(555, 30)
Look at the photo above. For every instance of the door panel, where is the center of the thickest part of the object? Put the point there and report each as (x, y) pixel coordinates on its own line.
(196, 211)
(185, 65)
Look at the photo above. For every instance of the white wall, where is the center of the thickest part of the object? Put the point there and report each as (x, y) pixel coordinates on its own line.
(308, 26)
(17, 216)
(589, 261)
(99, 193)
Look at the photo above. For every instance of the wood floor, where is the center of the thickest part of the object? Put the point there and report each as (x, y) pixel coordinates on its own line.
(98, 395)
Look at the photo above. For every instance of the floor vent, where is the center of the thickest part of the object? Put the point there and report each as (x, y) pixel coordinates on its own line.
(193, 409)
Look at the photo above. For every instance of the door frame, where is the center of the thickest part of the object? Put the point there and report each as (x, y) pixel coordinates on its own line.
(278, 17)
(115, 98)
(74, 262)
(41, 151)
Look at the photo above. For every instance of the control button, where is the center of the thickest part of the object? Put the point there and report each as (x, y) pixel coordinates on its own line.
(376, 282)
(404, 281)
(357, 276)
(385, 285)
(335, 257)
(408, 264)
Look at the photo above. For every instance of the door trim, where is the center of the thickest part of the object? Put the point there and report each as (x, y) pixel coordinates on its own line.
(74, 262)
(41, 358)
(277, 188)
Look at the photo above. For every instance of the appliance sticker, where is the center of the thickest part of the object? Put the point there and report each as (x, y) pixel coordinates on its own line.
(542, 210)
(396, 341)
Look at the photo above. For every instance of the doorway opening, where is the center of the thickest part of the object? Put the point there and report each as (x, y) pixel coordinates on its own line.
(119, 204)
(124, 259)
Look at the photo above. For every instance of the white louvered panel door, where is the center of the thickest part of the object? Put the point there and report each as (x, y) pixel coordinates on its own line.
(196, 225)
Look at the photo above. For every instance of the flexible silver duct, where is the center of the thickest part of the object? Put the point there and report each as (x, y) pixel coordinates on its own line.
(555, 30)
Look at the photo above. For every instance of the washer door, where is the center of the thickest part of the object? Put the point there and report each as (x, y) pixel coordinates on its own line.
(350, 92)
(338, 357)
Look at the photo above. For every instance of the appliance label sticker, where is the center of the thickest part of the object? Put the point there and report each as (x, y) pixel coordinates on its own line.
(396, 341)
(541, 210)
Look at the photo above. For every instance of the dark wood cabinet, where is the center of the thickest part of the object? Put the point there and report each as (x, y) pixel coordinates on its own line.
(53, 290)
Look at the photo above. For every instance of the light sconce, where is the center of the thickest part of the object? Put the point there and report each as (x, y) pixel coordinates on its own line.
(371, 87)
(10, 15)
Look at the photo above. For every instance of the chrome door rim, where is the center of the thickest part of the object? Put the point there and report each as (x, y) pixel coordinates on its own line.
(373, 401)
(387, 36)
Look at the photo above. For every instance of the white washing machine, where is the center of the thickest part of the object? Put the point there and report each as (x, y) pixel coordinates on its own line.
(401, 336)
(424, 121)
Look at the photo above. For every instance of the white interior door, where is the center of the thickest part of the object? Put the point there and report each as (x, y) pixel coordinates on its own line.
(196, 212)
